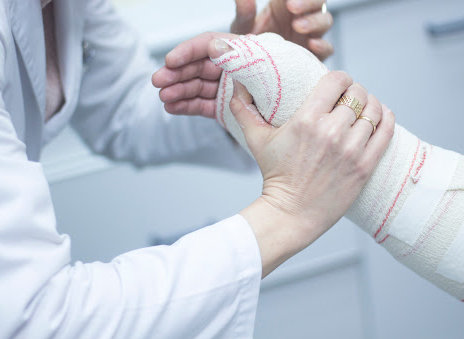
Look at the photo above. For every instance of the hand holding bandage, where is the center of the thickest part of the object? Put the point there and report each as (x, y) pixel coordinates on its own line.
(412, 205)
(317, 150)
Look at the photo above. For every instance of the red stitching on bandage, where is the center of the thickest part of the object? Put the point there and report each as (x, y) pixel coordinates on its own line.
(382, 241)
(251, 63)
(415, 178)
(247, 46)
(234, 42)
(279, 81)
(376, 201)
(223, 100)
(431, 228)
(400, 191)
(225, 61)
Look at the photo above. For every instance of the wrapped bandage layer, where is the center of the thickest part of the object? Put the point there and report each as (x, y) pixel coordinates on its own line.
(413, 205)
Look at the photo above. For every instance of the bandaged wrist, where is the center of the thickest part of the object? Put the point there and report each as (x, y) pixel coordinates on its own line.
(413, 204)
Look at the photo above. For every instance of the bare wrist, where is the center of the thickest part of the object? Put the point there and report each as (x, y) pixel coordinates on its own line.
(279, 234)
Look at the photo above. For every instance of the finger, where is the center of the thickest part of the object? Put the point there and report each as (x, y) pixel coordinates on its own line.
(196, 106)
(379, 142)
(300, 7)
(204, 69)
(193, 50)
(326, 94)
(344, 115)
(316, 24)
(254, 127)
(363, 128)
(244, 17)
(321, 48)
(189, 89)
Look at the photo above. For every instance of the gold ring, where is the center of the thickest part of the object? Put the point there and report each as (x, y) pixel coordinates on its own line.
(324, 8)
(370, 120)
(352, 103)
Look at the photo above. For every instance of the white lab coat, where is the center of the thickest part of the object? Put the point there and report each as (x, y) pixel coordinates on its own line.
(206, 285)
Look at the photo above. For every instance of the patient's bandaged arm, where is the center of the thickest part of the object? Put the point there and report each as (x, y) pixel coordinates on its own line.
(413, 204)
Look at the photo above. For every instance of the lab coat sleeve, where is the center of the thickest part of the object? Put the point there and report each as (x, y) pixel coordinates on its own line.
(205, 285)
(120, 114)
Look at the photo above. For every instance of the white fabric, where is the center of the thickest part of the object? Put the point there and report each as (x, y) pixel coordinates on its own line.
(451, 265)
(204, 286)
(412, 175)
(420, 204)
(272, 70)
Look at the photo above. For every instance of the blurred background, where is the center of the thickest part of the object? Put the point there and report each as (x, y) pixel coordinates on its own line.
(409, 53)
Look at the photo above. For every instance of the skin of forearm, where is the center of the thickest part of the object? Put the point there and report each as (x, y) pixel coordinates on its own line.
(279, 235)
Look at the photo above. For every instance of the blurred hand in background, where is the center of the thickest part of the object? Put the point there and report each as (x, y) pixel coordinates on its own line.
(189, 81)
(303, 22)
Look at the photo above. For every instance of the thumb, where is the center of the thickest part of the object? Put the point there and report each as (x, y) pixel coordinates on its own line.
(217, 48)
(244, 17)
(253, 126)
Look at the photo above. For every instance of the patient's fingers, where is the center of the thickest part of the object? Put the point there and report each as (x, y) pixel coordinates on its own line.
(315, 24)
(204, 69)
(300, 7)
(196, 106)
(245, 15)
(320, 47)
(189, 89)
(326, 94)
(193, 50)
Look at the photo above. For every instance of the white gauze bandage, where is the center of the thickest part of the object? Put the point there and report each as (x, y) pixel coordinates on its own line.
(414, 202)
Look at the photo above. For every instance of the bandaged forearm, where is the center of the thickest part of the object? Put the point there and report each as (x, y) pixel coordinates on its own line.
(413, 204)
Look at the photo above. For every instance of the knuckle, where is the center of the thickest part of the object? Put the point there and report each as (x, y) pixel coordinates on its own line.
(373, 100)
(333, 136)
(359, 92)
(375, 108)
(305, 126)
(350, 152)
(376, 112)
(341, 78)
(360, 89)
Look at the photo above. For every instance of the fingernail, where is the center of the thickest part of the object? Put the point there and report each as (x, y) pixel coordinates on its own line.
(221, 46)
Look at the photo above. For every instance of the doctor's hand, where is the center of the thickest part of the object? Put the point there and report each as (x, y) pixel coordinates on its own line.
(300, 21)
(313, 167)
(189, 82)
